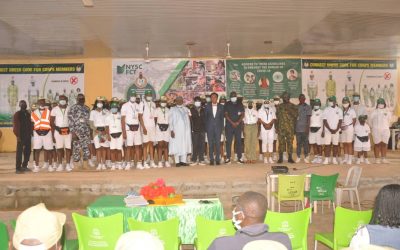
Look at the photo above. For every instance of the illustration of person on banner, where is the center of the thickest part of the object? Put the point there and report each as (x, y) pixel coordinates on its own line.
(33, 92)
(365, 94)
(12, 94)
(349, 85)
(391, 95)
(330, 87)
(141, 81)
(312, 87)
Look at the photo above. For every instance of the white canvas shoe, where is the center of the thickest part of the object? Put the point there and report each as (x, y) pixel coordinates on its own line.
(334, 160)
(193, 163)
(315, 160)
(92, 163)
(358, 161)
(68, 167)
(45, 165)
(127, 166)
(50, 169)
(367, 161)
(378, 161)
(266, 160)
(152, 164)
(160, 165)
(139, 166)
(298, 160)
(385, 161)
(271, 161)
(99, 167)
(326, 162)
(307, 160)
(167, 164)
(112, 166)
(60, 168)
(35, 168)
(146, 165)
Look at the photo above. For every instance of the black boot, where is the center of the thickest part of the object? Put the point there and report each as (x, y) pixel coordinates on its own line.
(290, 159)
(280, 160)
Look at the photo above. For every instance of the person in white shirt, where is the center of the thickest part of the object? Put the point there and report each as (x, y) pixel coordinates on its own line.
(250, 132)
(380, 124)
(267, 118)
(130, 116)
(114, 134)
(358, 107)
(148, 129)
(362, 144)
(161, 118)
(98, 124)
(332, 121)
(61, 134)
(314, 137)
(347, 128)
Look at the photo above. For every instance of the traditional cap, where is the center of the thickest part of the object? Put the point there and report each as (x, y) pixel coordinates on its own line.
(39, 223)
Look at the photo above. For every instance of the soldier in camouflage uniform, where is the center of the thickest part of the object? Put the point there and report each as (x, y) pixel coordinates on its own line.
(78, 117)
(286, 115)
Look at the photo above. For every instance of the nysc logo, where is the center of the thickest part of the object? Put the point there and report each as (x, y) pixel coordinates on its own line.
(128, 69)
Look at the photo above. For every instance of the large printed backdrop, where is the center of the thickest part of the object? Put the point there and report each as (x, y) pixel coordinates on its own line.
(31, 81)
(372, 79)
(169, 77)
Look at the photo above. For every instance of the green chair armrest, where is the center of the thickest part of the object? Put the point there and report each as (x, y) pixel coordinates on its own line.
(325, 238)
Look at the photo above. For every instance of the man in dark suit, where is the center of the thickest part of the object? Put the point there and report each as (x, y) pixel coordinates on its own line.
(214, 115)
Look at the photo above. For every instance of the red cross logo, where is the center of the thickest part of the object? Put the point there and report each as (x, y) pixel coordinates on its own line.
(387, 76)
(73, 80)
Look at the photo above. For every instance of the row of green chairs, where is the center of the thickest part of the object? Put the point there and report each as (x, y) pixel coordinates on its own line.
(291, 188)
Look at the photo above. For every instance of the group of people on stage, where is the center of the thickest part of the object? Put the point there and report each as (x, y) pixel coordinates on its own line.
(143, 133)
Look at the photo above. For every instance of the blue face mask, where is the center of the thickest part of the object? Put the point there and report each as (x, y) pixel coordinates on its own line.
(356, 98)
(114, 110)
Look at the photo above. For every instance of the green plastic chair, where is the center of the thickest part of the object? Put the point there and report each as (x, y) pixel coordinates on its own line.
(322, 188)
(167, 231)
(295, 225)
(290, 188)
(98, 233)
(13, 223)
(208, 230)
(4, 238)
(345, 225)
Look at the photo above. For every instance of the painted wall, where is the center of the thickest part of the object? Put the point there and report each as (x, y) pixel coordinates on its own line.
(98, 82)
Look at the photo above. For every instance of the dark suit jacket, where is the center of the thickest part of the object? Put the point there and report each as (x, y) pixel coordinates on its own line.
(214, 123)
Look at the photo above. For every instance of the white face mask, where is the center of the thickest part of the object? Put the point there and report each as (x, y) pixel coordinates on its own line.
(316, 107)
(62, 102)
(197, 104)
(236, 222)
(356, 99)
(346, 105)
(266, 106)
(114, 110)
(330, 104)
(208, 99)
(99, 105)
(222, 103)
(233, 99)
(41, 107)
(276, 102)
(132, 99)
(163, 104)
(381, 106)
(149, 98)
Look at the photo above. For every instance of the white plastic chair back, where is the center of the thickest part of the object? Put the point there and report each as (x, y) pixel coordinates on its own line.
(353, 177)
(264, 245)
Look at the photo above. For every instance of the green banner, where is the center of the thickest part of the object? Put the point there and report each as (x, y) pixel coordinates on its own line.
(41, 68)
(264, 78)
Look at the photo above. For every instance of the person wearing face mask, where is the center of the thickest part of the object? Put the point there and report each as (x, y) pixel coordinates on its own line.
(61, 134)
(267, 119)
(332, 121)
(148, 129)
(362, 144)
(222, 101)
(347, 135)
(274, 105)
(234, 114)
(131, 112)
(380, 125)
(198, 124)
(248, 217)
(78, 120)
(180, 144)
(250, 131)
(98, 124)
(302, 128)
(161, 117)
(214, 123)
(42, 137)
(22, 128)
(114, 134)
(286, 115)
(314, 137)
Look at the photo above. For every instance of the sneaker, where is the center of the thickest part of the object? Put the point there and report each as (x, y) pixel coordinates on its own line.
(139, 166)
(146, 165)
(315, 160)
(99, 167)
(228, 161)
(265, 160)
(35, 168)
(160, 165)
(54, 166)
(326, 162)
(261, 157)
(285, 157)
(45, 165)
(68, 167)
(112, 166)
(152, 164)
(334, 160)
(319, 160)
(202, 163)
(378, 161)
(298, 160)
(103, 167)
(60, 168)
(349, 161)
(108, 164)
(307, 160)
(358, 161)
(385, 161)
(240, 162)
(92, 163)
(167, 164)
(271, 160)
(367, 161)
(193, 163)
(127, 166)
(50, 169)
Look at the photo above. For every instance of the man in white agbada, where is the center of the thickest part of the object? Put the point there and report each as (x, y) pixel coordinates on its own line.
(180, 144)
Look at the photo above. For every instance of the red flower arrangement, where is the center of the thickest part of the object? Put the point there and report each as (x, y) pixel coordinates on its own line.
(157, 189)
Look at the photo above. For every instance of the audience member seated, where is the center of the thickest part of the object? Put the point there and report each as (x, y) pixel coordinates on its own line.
(248, 217)
(384, 228)
(138, 240)
(38, 229)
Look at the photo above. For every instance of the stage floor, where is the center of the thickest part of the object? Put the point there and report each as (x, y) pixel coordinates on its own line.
(70, 192)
